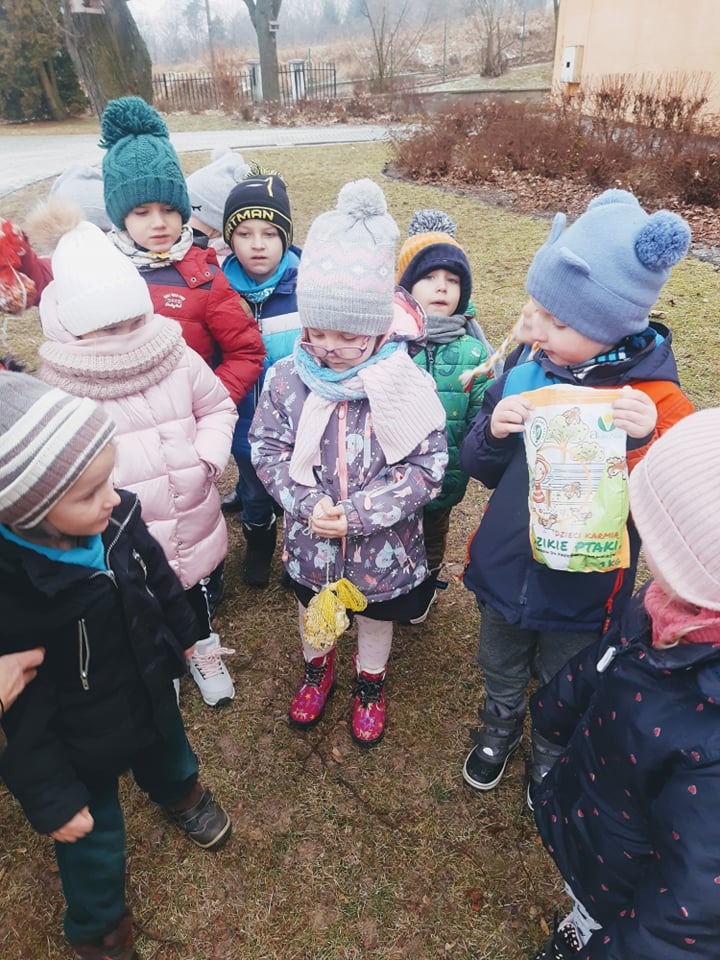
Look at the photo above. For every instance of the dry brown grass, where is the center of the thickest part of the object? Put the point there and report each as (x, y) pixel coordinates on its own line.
(339, 853)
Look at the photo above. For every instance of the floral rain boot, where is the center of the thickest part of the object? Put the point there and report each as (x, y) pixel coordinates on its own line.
(318, 685)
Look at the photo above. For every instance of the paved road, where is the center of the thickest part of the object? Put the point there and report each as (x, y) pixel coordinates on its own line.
(27, 159)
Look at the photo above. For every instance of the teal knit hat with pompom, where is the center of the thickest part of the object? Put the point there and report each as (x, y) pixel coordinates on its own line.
(141, 165)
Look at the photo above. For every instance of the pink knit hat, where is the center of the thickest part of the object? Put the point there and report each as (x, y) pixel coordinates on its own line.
(674, 502)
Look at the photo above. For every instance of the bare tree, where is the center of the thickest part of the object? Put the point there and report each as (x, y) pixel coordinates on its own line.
(497, 22)
(108, 52)
(394, 40)
(264, 16)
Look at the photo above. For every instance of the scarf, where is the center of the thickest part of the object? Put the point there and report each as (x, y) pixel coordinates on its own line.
(675, 621)
(107, 368)
(404, 405)
(250, 289)
(446, 329)
(146, 259)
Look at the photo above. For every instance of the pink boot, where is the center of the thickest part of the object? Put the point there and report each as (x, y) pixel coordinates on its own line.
(368, 715)
(308, 704)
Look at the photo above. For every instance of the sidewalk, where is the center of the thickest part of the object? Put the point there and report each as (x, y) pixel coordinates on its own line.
(27, 159)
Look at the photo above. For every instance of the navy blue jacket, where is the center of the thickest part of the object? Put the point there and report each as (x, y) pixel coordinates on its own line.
(630, 812)
(501, 569)
(128, 626)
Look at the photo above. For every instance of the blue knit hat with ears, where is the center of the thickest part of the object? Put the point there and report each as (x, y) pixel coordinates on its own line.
(141, 165)
(602, 275)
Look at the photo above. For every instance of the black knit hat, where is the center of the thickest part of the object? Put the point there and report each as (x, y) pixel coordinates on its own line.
(431, 245)
(259, 198)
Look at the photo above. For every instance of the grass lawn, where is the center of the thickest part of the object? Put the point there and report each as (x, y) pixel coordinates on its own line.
(339, 853)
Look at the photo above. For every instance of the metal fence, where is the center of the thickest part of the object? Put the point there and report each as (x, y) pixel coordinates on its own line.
(228, 90)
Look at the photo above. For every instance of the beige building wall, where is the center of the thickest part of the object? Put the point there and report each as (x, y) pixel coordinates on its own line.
(641, 36)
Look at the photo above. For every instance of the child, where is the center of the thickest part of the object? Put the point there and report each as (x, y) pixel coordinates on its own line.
(591, 289)
(208, 189)
(433, 267)
(147, 201)
(352, 458)
(629, 812)
(263, 269)
(174, 417)
(81, 576)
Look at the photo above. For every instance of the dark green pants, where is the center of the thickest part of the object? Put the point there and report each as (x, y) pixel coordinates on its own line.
(92, 870)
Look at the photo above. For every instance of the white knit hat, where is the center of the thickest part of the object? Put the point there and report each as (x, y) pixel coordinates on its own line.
(210, 186)
(674, 501)
(95, 285)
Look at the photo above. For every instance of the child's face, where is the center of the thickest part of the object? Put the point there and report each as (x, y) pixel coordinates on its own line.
(86, 507)
(324, 344)
(562, 345)
(115, 329)
(438, 292)
(258, 247)
(154, 226)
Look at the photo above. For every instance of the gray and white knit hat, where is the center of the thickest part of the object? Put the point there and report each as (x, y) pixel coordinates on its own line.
(210, 186)
(346, 277)
(47, 441)
(83, 186)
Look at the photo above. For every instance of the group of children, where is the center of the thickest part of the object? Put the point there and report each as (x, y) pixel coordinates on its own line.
(334, 378)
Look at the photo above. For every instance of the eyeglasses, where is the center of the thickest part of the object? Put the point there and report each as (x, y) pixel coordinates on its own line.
(342, 353)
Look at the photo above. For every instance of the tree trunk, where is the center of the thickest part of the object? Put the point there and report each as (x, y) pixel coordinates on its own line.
(109, 54)
(47, 81)
(262, 12)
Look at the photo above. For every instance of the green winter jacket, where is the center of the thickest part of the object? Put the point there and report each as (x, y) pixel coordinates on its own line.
(445, 362)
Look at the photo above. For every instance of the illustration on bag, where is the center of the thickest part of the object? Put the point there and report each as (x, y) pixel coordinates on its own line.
(578, 480)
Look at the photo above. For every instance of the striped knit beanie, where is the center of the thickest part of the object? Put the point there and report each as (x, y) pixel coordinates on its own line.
(47, 441)
(431, 245)
(141, 165)
(345, 278)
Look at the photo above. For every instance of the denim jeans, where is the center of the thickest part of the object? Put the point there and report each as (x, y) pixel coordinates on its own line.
(257, 504)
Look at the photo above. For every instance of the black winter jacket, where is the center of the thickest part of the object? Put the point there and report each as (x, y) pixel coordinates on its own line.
(629, 812)
(114, 641)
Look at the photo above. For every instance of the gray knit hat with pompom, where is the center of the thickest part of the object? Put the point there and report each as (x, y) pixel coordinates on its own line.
(602, 275)
(346, 274)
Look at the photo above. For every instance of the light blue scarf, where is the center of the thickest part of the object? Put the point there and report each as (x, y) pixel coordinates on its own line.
(244, 284)
(330, 384)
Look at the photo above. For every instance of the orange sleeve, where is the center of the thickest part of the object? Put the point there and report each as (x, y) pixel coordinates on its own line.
(671, 404)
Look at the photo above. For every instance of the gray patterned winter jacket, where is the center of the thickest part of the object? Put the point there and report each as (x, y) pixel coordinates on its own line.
(384, 553)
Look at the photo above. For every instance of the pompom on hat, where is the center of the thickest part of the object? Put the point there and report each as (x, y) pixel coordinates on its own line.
(141, 165)
(94, 285)
(431, 245)
(210, 186)
(47, 441)
(673, 498)
(345, 278)
(603, 274)
(83, 186)
(260, 196)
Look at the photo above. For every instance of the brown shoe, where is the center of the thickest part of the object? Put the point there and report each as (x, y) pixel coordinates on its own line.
(205, 822)
(115, 945)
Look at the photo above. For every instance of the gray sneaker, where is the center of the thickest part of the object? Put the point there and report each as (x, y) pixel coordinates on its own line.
(205, 823)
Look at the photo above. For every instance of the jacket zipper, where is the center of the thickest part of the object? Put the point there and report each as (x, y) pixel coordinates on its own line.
(83, 654)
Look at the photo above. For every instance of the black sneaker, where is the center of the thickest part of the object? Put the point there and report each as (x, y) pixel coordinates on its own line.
(563, 945)
(483, 770)
(205, 823)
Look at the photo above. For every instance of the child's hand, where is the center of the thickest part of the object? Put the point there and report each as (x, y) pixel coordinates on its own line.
(75, 829)
(635, 413)
(189, 652)
(328, 519)
(509, 416)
